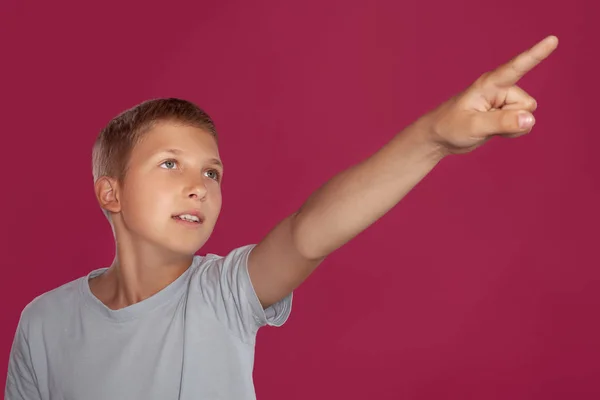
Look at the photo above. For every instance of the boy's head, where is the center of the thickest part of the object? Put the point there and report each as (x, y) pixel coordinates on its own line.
(157, 175)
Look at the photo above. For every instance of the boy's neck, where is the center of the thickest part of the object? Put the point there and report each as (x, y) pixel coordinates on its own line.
(137, 273)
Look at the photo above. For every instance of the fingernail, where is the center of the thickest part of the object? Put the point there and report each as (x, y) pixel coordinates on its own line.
(525, 120)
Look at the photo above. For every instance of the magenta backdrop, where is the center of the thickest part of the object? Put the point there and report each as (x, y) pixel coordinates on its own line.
(483, 283)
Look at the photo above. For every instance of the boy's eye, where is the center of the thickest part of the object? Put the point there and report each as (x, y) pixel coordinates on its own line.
(169, 164)
(213, 174)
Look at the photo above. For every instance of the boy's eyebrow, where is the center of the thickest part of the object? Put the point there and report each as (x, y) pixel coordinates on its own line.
(214, 161)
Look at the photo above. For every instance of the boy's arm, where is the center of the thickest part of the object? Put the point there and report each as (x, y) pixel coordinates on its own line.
(358, 196)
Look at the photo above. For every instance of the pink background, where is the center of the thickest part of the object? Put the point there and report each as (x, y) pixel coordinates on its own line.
(483, 283)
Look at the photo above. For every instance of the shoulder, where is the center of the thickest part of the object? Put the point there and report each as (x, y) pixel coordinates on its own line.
(49, 304)
(219, 270)
(234, 253)
(224, 283)
(236, 257)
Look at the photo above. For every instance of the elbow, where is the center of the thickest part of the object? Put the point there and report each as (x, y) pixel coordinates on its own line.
(307, 243)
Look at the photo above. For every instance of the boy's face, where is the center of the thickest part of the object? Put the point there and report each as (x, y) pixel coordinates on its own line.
(171, 196)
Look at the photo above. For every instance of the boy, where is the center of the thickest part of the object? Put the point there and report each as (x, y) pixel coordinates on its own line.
(163, 323)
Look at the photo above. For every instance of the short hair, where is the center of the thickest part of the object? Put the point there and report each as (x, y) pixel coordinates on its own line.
(114, 144)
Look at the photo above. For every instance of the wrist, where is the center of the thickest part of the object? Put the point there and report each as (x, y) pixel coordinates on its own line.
(423, 136)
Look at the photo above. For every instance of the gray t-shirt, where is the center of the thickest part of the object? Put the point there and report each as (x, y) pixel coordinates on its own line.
(192, 340)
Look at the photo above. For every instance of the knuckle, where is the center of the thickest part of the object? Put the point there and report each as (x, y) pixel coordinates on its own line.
(532, 104)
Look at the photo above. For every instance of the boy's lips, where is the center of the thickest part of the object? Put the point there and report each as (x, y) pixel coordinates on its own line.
(194, 217)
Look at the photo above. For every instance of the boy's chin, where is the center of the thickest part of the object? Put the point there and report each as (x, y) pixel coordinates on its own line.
(189, 250)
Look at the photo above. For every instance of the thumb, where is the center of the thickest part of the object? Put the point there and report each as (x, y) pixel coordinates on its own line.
(503, 122)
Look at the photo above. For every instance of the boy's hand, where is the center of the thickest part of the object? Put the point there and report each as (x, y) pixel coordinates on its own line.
(492, 106)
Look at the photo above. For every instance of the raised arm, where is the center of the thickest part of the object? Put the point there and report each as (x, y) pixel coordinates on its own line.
(354, 199)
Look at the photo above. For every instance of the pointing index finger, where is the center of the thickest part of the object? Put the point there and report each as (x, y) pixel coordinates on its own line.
(509, 74)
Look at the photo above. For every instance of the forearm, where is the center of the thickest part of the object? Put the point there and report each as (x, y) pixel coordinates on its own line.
(357, 197)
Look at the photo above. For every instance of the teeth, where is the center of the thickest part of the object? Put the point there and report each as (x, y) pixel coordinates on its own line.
(188, 217)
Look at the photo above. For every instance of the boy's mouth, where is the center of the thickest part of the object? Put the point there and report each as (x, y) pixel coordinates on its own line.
(193, 217)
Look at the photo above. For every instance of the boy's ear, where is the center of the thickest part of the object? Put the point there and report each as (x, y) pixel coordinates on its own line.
(107, 194)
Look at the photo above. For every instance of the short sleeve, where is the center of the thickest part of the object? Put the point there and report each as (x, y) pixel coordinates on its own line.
(226, 283)
(20, 381)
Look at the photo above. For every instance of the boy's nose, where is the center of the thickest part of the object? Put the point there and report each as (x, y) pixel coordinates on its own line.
(197, 191)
